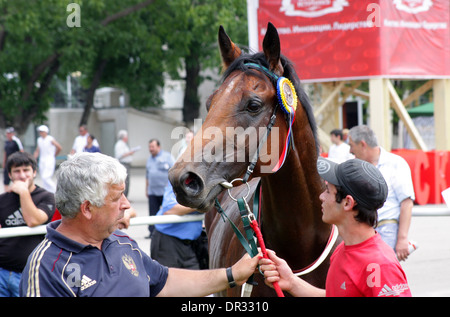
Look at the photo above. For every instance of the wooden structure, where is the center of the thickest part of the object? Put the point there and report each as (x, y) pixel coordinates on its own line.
(382, 97)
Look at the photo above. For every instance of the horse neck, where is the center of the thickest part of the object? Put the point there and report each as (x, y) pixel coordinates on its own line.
(293, 192)
(291, 209)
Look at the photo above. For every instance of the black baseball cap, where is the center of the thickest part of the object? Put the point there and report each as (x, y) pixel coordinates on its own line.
(360, 179)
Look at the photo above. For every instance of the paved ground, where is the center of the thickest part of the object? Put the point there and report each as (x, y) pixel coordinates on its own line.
(426, 268)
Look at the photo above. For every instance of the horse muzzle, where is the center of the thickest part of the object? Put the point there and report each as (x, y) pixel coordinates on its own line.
(193, 190)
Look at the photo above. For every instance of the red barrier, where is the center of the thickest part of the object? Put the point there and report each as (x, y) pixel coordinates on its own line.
(430, 173)
(440, 162)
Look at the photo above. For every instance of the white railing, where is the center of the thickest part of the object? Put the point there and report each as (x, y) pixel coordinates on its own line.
(138, 221)
(422, 211)
(431, 212)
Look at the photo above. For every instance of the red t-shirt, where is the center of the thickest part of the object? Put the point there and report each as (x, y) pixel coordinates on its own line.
(368, 269)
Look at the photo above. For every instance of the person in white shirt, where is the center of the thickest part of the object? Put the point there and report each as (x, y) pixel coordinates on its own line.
(81, 140)
(394, 218)
(123, 153)
(339, 151)
(47, 149)
(12, 145)
(185, 142)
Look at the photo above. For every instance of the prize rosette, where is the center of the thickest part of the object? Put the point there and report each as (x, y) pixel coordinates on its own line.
(287, 96)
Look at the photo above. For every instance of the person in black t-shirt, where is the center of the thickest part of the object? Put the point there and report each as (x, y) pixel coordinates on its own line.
(25, 205)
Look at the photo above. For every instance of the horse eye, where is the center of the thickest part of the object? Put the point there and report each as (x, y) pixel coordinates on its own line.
(253, 106)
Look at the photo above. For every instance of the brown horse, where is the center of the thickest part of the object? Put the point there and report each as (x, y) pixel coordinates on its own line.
(291, 217)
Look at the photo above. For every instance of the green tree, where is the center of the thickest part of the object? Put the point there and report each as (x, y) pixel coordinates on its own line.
(37, 44)
(122, 43)
(28, 59)
(126, 53)
(189, 30)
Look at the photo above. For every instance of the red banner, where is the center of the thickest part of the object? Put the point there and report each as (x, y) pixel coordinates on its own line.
(430, 173)
(349, 39)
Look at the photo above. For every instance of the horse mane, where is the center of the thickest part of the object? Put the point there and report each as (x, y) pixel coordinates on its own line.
(289, 72)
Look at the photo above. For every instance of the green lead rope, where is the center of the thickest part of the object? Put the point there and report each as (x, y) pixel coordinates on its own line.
(249, 243)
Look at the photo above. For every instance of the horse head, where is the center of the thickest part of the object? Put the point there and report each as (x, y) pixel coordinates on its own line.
(236, 126)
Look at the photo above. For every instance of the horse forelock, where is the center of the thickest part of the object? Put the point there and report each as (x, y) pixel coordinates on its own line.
(289, 72)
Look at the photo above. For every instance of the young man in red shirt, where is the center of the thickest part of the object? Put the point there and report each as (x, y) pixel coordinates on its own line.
(363, 264)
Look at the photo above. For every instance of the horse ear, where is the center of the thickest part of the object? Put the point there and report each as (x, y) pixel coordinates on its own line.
(228, 49)
(271, 48)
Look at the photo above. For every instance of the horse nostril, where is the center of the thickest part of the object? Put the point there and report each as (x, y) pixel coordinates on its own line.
(192, 183)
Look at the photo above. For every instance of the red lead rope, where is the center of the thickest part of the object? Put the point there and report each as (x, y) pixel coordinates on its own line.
(255, 227)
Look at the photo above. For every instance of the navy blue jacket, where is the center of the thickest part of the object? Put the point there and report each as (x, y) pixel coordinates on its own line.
(61, 267)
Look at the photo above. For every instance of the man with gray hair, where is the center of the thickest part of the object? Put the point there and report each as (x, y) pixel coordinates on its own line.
(394, 218)
(85, 255)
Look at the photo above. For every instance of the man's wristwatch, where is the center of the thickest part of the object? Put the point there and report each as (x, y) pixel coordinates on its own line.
(230, 278)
